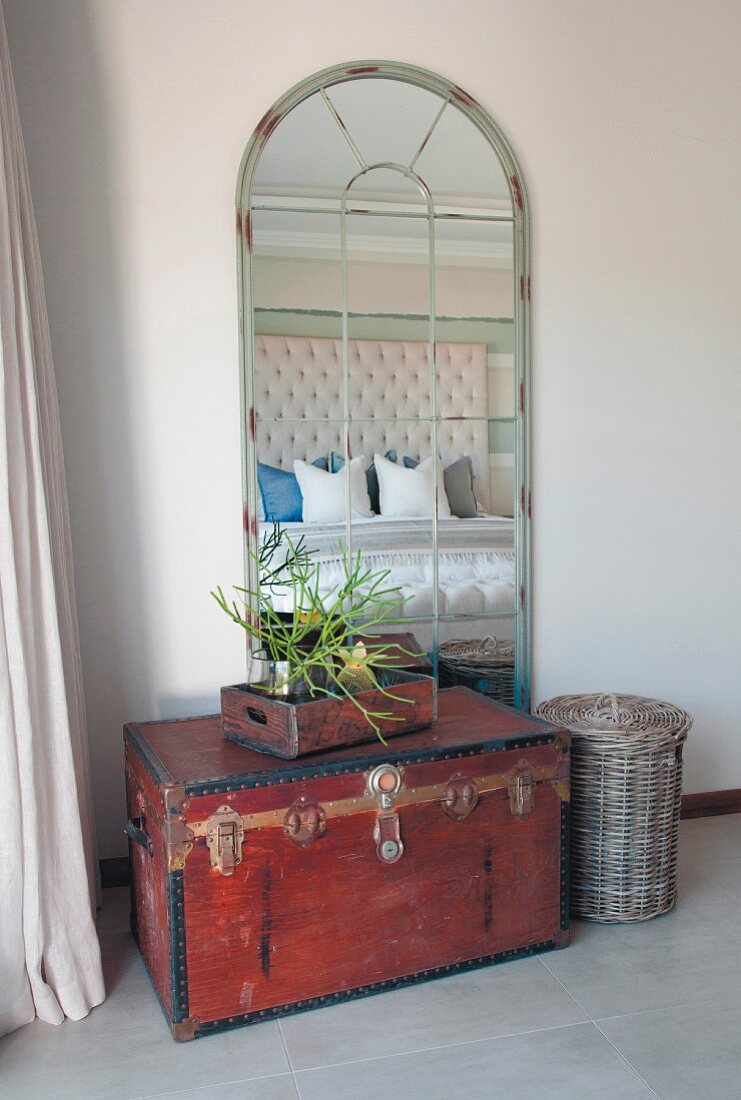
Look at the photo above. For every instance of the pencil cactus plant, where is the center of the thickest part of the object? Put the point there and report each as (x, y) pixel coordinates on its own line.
(317, 642)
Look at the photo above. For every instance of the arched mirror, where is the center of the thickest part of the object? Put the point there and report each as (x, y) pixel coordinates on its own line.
(384, 310)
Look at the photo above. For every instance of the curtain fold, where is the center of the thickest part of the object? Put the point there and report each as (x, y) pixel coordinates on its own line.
(49, 954)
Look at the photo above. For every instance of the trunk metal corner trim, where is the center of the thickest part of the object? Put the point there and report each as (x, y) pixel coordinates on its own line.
(147, 755)
(565, 863)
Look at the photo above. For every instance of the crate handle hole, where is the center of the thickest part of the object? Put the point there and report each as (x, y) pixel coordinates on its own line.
(258, 716)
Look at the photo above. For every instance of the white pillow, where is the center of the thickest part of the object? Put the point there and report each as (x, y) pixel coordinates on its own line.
(324, 493)
(405, 492)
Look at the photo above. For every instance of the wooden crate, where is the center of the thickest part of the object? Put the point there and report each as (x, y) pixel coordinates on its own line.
(290, 730)
(287, 729)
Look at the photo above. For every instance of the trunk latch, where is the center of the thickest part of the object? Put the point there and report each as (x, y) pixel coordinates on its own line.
(384, 784)
(224, 835)
(522, 794)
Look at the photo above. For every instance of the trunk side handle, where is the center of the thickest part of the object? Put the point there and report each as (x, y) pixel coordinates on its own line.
(135, 831)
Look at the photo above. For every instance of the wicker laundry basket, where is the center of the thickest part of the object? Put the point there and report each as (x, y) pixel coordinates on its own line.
(484, 664)
(626, 789)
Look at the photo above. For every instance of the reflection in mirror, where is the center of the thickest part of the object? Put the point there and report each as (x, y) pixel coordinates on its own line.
(382, 356)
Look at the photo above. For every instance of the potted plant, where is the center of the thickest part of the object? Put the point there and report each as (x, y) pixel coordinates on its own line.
(313, 650)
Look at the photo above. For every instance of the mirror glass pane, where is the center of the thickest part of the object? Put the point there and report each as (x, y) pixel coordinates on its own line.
(382, 361)
(388, 323)
(475, 311)
(473, 176)
(387, 119)
(306, 156)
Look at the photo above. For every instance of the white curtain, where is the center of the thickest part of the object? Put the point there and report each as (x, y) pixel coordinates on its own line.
(49, 954)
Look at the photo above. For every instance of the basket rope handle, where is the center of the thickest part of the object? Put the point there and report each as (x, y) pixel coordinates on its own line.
(607, 706)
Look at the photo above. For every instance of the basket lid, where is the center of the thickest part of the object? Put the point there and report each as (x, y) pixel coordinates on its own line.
(617, 721)
(479, 650)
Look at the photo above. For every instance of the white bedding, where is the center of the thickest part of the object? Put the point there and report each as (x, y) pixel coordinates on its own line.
(476, 561)
(405, 532)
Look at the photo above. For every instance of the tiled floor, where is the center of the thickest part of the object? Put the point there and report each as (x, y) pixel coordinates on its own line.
(651, 1010)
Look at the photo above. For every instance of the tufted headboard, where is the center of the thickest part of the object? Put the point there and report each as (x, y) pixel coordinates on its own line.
(301, 376)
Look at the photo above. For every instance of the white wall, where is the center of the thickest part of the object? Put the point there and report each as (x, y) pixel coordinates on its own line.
(625, 118)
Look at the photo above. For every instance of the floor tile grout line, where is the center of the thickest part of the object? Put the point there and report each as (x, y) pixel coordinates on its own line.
(288, 1060)
(627, 1061)
(565, 988)
(297, 1087)
(594, 1023)
(284, 1044)
(210, 1085)
(696, 1003)
(441, 1046)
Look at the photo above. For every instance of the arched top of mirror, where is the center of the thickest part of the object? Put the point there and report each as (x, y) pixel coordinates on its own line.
(413, 116)
(419, 153)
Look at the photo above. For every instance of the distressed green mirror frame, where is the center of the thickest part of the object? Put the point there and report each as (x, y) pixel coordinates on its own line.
(450, 92)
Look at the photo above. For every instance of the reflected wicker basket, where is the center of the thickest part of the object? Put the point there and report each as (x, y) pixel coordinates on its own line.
(486, 665)
(626, 790)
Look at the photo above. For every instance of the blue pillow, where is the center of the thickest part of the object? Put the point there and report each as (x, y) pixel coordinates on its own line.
(281, 497)
(337, 461)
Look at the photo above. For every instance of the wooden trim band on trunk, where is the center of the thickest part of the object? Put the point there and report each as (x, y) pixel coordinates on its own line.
(415, 796)
(711, 803)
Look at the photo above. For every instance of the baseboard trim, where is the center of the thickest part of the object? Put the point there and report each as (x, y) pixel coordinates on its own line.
(116, 872)
(711, 803)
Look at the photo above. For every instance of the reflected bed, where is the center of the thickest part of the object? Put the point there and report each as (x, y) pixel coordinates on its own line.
(299, 391)
(476, 561)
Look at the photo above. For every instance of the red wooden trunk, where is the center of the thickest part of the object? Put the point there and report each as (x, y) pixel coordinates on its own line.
(360, 869)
